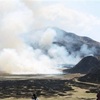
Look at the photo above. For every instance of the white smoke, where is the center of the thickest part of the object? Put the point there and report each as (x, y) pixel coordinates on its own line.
(15, 20)
(61, 56)
(26, 62)
(85, 50)
(17, 56)
(47, 38)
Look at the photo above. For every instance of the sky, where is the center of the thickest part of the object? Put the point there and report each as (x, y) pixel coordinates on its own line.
(81, 17)
(86, 6)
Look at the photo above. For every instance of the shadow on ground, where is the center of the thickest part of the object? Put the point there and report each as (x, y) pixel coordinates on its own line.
(25, 88)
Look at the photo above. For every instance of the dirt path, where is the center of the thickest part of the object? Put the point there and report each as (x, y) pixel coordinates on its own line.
(80, 94)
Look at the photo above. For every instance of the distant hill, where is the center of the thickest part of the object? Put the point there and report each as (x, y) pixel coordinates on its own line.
(74, 43)
(85, 65)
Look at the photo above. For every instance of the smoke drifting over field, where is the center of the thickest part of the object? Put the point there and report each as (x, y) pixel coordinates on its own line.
(23, 50)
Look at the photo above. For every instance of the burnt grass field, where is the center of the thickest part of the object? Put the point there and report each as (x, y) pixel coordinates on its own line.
(47, 87)
(25, 88)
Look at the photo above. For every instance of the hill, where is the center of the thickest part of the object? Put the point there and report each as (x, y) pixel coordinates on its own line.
(77, 45)
(85, 65)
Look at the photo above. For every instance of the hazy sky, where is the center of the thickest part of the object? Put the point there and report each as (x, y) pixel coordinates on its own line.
(79, 16)
(86, 6)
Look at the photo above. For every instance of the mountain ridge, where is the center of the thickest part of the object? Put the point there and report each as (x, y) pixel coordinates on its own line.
(72, 41)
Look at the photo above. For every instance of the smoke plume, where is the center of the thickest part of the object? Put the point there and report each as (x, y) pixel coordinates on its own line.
(23, 48)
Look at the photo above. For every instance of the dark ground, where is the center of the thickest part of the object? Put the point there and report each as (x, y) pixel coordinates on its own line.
(47, 86)
(26, 87)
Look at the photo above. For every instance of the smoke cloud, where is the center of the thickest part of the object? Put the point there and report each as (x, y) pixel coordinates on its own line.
(85, 50)
(23, 48)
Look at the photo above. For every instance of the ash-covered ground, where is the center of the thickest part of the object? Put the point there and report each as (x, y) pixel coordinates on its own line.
(23, 86)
